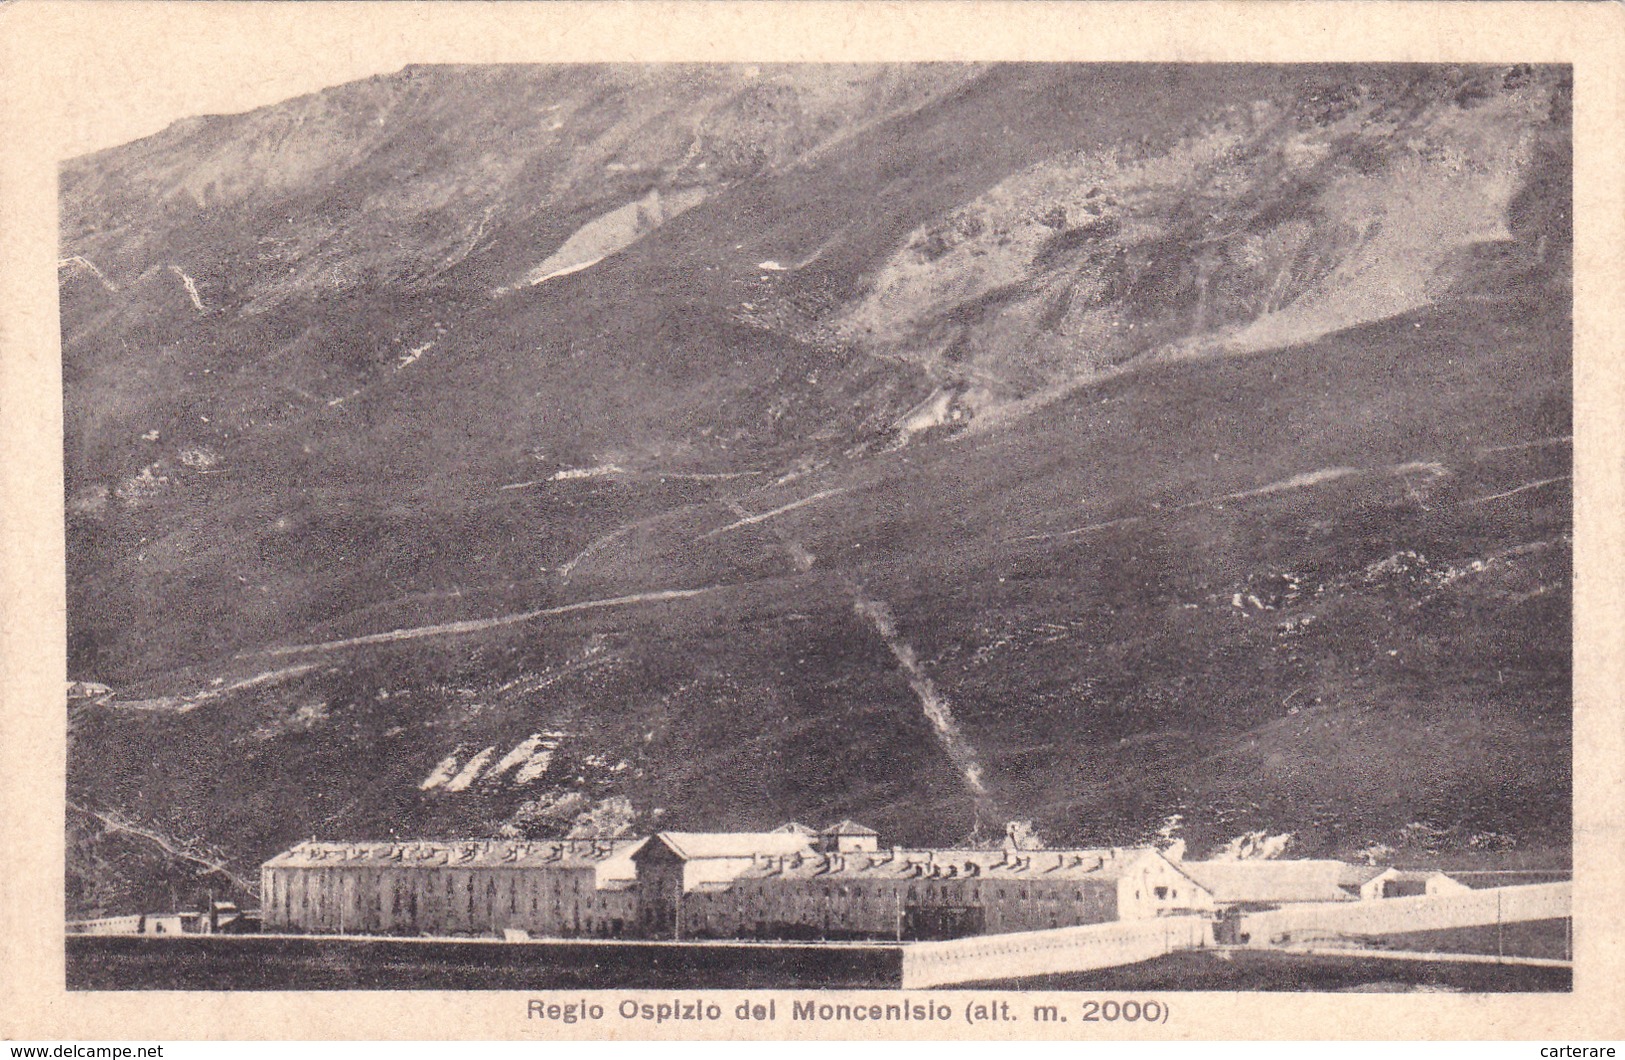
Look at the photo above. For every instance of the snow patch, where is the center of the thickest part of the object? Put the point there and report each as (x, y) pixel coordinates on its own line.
(587, 472)
(471, 771)
(80, 263)
(935, 706)
(535, 767)
(531, 755)
(191, 289)
(935, 411)
(567, 270)
(609, 234)
(1254, 846)
(411, 356)
(441, 773)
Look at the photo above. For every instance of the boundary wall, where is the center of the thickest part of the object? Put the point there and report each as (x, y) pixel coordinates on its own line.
(1386, 916)
(1074, 949)
(107, 925)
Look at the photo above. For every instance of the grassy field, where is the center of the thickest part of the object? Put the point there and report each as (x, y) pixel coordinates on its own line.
(1281, 971)
(289, 963)
(1534, 938)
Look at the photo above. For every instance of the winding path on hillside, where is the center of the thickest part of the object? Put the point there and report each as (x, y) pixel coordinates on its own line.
(477, 624)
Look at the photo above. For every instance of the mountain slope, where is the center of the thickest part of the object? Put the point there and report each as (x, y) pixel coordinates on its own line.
(527, 449)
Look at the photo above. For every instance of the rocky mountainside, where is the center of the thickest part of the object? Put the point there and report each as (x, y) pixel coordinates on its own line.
(519, 450)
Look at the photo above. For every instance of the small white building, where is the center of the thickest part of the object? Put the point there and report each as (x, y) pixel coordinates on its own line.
(1268, 883)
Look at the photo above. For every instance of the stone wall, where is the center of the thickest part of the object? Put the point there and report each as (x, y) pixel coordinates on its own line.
(1074, 949)
(1312, 922)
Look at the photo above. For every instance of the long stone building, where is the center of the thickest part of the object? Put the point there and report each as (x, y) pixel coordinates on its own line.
(558, 888)
(788, 883)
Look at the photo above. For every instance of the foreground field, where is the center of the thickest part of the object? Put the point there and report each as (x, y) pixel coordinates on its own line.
(270, 962)
(1277, 970)
(303, 963)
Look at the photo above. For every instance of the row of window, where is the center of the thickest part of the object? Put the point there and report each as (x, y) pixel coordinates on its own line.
(860, 895)
(396, 900)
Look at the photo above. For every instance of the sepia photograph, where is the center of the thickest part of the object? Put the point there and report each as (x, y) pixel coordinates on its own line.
(711, 521)
(1023, 525)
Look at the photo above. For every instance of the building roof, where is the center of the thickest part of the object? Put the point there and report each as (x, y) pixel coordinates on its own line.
(692, 845)
(1293, 880)
(1359, 875)
(475, 853)
(1413, 875)
(796, 827)
(901, 864)
(849, 827)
